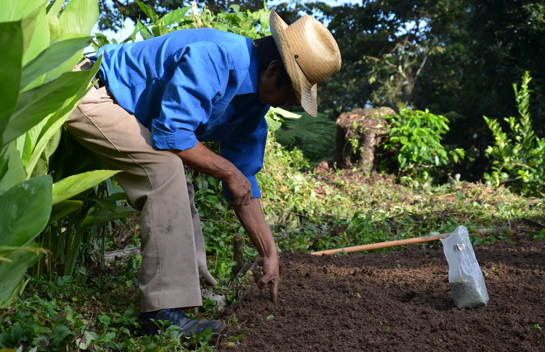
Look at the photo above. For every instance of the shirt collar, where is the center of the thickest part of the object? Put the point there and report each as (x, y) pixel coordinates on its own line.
(249, 85)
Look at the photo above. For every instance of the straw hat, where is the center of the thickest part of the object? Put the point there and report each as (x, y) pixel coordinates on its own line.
(310, 54)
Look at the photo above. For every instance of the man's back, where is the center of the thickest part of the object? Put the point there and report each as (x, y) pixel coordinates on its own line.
(221, 66)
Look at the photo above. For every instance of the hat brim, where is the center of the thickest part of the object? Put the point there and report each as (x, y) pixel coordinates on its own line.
(306, 92)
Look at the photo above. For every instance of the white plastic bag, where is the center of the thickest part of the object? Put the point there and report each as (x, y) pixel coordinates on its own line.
(465, 276)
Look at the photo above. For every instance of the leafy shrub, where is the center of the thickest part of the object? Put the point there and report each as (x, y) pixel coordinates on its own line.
(38, 93)
(518, 155)
(416, 139)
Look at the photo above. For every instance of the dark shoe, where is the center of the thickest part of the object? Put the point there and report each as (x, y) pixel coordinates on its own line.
(175, 317)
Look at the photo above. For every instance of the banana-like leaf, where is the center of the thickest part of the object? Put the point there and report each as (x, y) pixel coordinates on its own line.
(16, 172)
(53, 8)
(11, 56)
(31, 13)
(24, 211)
(40, 36)
(42, 166)
(55, 121)
(12, 274)
(28, 24)
(104, 215)
(15, 10)
(54, 56)
(79, 16)
(73, 185)
(63, 209)
(70, 62)
(4, 159)
(34, 105)
(7, 250)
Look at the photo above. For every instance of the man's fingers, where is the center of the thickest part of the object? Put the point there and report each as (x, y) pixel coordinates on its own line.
(271, 281)
(273, 288)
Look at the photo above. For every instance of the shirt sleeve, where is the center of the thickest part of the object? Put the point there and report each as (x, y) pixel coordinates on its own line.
(245, 148)
(200, 79)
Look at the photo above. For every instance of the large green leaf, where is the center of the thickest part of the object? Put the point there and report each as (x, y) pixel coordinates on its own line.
(11, 56)
(55, 121)
(63, 209)
(42, 166)
(24, 211)
(104, 215)
(79, 16)
(76, 184)
(28, 25)
(4, 159)
(54, 56)
(14, 10)
(12, 274)
(7, 250)
(70, 62)
(16, 172)
(40, 37)
(34, 105)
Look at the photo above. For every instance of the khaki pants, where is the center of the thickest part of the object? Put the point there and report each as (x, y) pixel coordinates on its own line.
(172, 242)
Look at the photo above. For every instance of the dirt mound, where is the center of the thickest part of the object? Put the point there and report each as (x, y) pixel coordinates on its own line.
(395, 302)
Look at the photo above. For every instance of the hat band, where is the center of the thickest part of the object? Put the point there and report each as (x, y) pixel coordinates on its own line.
(296, 57)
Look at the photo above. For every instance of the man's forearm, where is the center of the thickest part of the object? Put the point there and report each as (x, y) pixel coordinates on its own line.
(203, 160)
(252, 219)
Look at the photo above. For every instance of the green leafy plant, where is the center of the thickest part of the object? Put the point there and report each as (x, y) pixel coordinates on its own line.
(518, 156)
(38, 93)
(415, 137)
(249, 24)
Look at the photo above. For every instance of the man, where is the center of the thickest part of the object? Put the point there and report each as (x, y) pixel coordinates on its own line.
(161, 99)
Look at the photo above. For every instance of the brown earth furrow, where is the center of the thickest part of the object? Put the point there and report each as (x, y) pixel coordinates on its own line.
(396, 302)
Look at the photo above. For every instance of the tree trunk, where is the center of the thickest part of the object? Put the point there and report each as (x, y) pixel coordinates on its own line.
(358, 133)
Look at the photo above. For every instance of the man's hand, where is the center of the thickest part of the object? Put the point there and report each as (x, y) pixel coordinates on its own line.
(267, 271)
(266, 274)
(241, 189)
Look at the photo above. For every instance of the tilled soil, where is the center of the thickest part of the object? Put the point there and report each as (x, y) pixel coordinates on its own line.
(395, 302)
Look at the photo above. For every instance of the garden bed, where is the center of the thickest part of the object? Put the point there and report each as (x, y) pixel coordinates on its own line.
(397, 301)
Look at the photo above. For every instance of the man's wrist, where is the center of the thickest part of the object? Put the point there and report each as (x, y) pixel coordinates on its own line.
(229, 175)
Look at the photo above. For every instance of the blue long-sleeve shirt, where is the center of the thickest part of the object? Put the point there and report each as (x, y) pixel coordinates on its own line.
(193, 85)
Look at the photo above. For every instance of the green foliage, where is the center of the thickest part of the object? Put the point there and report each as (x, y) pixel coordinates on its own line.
(246, 23)
(275, 118)
(416, 139)
(39, 92)
(24, 211)
(73, 185)
(313, 136)
(519, 157)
